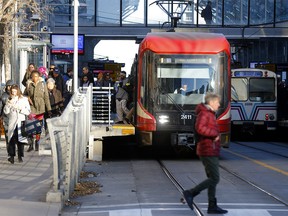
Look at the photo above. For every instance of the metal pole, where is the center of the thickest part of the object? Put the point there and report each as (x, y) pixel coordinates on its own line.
(75, 57)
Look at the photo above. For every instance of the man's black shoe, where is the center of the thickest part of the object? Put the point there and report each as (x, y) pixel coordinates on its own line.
(189, 198)
(30, 148)
(216, 210)
(20, 160)
(11, 160)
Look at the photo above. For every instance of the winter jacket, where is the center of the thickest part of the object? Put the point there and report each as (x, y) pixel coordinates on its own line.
(56, 101)
(38, 94)
(207, 129)
(16, 109)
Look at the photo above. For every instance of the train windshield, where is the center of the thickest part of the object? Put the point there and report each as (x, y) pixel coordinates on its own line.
(184, 80)
(253, 89)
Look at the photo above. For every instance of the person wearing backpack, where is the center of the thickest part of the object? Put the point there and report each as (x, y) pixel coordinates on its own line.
(208, 150)
(207, 13)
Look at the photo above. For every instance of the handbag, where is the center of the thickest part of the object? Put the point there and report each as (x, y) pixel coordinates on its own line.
(31, 127)
(23, 131)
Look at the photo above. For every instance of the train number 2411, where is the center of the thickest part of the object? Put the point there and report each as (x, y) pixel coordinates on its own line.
(186, 116)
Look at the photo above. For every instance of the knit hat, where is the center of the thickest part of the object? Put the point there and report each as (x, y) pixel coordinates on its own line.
(56, 70)
(10, 83)
(43, 71)
(50, 80)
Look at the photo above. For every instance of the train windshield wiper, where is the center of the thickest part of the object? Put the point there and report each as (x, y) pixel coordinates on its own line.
(171, 99)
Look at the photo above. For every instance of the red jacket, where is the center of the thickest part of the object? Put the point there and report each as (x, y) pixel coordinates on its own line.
(207, 129)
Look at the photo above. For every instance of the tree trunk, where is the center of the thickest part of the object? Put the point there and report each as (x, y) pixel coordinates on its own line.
(6, 49)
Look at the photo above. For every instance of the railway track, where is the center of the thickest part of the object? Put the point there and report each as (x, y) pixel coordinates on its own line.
(179, 187)
(197, 209)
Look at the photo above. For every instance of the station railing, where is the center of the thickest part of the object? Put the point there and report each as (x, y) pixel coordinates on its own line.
(102, 105)
(69, 137)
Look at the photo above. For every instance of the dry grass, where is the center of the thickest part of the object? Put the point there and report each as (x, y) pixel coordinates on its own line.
(84, 188)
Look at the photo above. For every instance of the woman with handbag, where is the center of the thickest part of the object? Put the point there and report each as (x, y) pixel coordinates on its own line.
(16, 108)
(38, 97)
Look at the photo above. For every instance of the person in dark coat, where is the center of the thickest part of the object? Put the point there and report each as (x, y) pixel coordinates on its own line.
(59, 81)
(27, 75)
(86, 72)
(207, 13)
(4, 98)
(55, 97)
(208, 150)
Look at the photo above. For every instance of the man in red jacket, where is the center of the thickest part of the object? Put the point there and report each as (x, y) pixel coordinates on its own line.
(208, 150)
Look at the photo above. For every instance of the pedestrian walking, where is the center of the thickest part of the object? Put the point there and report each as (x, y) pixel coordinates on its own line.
(59, 81)
(207, 13)
(208, 150)
(16, 108)
(122, 97)
(27, 75)
(88, 74)
(38, 98)
(55, 97)
(4, 98)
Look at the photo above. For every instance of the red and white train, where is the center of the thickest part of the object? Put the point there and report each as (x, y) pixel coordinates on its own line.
(174, 71)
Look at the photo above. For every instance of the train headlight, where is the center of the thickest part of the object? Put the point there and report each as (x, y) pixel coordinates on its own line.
(163, 119)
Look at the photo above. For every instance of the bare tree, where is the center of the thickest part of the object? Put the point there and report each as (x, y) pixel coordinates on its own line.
(16, 13)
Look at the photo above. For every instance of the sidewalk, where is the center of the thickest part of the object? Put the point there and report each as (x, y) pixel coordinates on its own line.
(23, 186)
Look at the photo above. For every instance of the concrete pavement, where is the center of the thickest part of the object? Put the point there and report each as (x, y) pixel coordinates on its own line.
(23, 186)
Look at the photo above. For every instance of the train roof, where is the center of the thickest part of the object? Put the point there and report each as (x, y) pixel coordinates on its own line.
(245, 71)
(252, 69)
(185, 42)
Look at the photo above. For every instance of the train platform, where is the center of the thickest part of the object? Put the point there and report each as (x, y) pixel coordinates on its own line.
(24, 185)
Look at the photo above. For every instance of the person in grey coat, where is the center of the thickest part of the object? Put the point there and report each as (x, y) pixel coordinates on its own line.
(121, 98)
(16, 108)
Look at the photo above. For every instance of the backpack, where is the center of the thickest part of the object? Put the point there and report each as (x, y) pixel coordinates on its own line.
(203, 12)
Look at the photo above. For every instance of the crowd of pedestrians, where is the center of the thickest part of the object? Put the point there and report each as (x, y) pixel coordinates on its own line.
(46, 94)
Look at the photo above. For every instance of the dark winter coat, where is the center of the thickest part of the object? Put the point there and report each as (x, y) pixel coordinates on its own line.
(207, 129)
(56, 101)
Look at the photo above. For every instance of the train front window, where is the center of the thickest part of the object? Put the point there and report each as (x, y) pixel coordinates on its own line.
(184, 80)
(239, 89)
(262, 89)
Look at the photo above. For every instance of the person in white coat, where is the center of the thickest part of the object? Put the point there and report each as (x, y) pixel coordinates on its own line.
(16, 108)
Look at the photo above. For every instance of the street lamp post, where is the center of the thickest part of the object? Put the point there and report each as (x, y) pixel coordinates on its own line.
(75, 56)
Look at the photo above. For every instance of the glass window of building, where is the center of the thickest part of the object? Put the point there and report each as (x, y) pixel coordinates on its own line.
(261, 11)
(156, 16)
(133, 12)
(210, 12)
(281, 10)
(63, 12)
(108, 13)
(236, 12)
(86, 13)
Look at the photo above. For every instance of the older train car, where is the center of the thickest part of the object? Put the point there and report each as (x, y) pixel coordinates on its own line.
(254, 100)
